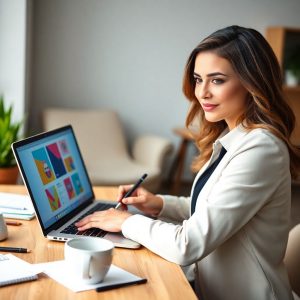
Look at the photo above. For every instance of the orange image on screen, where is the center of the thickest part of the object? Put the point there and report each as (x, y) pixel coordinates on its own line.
(69, 163)
(43, 165)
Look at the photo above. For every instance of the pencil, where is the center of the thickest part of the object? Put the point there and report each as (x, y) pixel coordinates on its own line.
(14, 223)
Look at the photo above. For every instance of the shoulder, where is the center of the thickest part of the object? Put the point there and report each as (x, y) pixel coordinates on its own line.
(266, 141)
(256, 140)
(257, 151)
(265, 155)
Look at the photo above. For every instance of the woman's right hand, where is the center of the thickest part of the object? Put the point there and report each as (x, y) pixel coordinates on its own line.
(143, 200)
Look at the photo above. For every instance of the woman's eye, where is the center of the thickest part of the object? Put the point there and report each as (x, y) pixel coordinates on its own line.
(217, 81)
(197, 80)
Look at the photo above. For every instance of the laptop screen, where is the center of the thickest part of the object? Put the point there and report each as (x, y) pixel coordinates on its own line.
(54, 172)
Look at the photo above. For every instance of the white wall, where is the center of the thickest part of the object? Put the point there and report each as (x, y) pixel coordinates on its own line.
(13, 16)
(129, 55)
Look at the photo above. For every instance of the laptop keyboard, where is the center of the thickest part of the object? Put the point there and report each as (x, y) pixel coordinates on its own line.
(72, 229)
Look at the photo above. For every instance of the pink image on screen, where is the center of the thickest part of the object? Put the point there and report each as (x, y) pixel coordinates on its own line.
(69, 188)
(63, 146)
(54, 150)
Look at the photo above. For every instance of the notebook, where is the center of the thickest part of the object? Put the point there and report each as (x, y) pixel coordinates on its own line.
(57, 181)
(16, 206)
(15, 270)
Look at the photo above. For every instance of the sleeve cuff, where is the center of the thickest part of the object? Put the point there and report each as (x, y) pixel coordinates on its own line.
(130, 228)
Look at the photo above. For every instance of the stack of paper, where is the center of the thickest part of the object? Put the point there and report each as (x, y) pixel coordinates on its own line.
(16, 206)
(116, 277)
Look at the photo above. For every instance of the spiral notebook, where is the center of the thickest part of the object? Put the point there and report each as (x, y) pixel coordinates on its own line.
(15, 270)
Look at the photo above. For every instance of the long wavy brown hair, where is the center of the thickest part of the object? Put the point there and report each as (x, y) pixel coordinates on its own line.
(255, 63)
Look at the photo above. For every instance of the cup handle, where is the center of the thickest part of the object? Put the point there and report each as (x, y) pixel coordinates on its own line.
(86, 267)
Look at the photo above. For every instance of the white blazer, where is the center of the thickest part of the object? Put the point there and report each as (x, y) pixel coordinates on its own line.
(237, 236)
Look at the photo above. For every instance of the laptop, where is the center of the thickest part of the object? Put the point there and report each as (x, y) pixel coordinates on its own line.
(57, 181)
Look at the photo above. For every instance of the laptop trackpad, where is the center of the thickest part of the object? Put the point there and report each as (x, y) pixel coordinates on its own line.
(120, 241)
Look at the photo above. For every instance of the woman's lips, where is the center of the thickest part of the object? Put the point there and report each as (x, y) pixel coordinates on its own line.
(208, 106)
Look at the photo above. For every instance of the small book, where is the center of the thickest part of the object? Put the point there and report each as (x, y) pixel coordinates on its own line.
(9, 215)
(15, 270)
(16, 206)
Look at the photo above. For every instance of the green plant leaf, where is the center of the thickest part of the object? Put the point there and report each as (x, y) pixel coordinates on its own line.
(8, 134)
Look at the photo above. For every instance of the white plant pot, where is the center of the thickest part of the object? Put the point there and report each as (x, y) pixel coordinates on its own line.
(290, 78)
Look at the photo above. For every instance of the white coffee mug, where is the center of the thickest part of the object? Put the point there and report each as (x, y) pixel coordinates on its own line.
(89, 258)
(3, 228)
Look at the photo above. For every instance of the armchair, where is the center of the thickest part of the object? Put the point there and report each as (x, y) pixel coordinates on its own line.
(104, 149)
(292, 260)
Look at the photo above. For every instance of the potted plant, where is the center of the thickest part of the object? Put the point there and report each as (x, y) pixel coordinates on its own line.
(8, 134)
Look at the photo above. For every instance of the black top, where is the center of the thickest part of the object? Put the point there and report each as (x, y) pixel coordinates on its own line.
(204, 177)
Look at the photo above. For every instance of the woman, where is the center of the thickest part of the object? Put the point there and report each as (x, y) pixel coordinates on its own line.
(234, 227)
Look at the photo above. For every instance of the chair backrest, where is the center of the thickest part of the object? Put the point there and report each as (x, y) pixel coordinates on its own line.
(292, 259)
(99, 132)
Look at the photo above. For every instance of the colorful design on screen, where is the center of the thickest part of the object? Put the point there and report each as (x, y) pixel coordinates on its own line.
(56, 160)
(69, 188)
(69, 163)
(43, 165)
(77, 184)
(63, 146)
(53, 198)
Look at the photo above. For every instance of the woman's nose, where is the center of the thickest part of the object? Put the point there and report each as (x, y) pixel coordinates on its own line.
(203, 92)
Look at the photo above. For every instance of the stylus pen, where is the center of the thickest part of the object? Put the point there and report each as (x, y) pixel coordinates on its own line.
(129, 193)
(12, 249)
(118, 285)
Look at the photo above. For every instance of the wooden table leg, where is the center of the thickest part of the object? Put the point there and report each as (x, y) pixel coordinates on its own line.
(177, 168)
(175, 175)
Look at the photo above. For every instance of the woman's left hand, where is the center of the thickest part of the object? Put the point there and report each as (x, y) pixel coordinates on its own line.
(109, 220)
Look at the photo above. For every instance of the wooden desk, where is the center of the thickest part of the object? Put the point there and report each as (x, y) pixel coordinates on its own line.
(165, 279)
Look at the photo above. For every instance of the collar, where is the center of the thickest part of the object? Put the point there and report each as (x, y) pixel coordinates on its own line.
(228, 138)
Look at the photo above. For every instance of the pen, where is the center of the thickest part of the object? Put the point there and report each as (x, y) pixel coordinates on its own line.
(12, 249)
(118, 285)
(14, 223)
(129, 193)
(13, 207)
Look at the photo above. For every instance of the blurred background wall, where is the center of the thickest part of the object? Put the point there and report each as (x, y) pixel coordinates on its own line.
(13, 43)
(125, 55)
